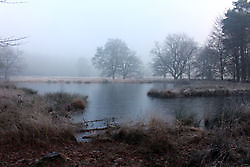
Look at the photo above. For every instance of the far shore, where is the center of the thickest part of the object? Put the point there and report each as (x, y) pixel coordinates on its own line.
(89, 80)
(67, 79)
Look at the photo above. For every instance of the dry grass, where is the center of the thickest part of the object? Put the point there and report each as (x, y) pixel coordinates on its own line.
(224, 144)
(33, 127)
(63, 104)
(31, 120)
(154, 139)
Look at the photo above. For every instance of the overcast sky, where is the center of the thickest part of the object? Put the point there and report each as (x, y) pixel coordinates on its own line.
(74, 28)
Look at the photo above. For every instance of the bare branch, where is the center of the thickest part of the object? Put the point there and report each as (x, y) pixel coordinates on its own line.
(11, 41)
(11, 2)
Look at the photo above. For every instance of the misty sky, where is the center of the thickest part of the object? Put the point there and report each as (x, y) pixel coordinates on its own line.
(74, 28)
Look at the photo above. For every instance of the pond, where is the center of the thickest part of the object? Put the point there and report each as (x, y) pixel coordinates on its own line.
(129, 101)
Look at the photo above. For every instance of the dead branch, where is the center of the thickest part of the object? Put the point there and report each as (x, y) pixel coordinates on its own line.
(11, 2)
(11, 41)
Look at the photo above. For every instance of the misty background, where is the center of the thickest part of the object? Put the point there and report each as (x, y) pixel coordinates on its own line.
(62, 37)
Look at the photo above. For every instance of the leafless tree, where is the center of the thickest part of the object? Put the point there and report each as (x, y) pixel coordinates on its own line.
(10, 62)
(130, 66)
(205, 66)
(158, 64)
(173, 55)
(115, 59)
(215, 43)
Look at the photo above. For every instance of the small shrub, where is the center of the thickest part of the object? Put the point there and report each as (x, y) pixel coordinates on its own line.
(61, 101)
(222, 151)
(29, 91)
(130, 136)
(78, 104)
(152, 138)
(187, 119)
(235, 121)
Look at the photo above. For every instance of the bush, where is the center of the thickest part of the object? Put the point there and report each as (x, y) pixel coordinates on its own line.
(34, 127)
(78, 104)
(153, 137)
(130, 136)
(29, 91)
(30, 122)
(187, 119)
(234, 121)
(61, 101)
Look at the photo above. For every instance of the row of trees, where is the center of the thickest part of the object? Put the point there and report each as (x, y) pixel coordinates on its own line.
(225, 55)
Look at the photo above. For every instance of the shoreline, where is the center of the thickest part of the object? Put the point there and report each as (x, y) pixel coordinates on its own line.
(197, 92)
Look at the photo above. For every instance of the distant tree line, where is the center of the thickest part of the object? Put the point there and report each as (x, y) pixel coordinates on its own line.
(224, 56)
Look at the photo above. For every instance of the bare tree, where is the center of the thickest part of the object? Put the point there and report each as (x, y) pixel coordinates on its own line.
(130, 66)
(205, 66)
(115, 59)
(158, 64)
(10, 62)
(215, 43)
(174, 55)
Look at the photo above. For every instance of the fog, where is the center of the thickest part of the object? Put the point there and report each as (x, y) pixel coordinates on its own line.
(60, 33)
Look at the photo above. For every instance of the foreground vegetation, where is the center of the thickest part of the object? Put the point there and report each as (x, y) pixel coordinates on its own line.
(224, 140)
(36, 131)
(30, 118)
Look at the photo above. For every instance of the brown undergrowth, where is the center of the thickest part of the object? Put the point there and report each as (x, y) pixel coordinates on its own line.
(226, 143)
(30, 118)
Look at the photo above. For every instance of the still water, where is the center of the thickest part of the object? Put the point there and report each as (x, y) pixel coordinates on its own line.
(129, 102)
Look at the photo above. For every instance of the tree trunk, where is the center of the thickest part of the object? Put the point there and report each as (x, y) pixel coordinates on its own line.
(243, 64)
(5, 75)
(189, 72)
(237, 67)
(221, 68)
